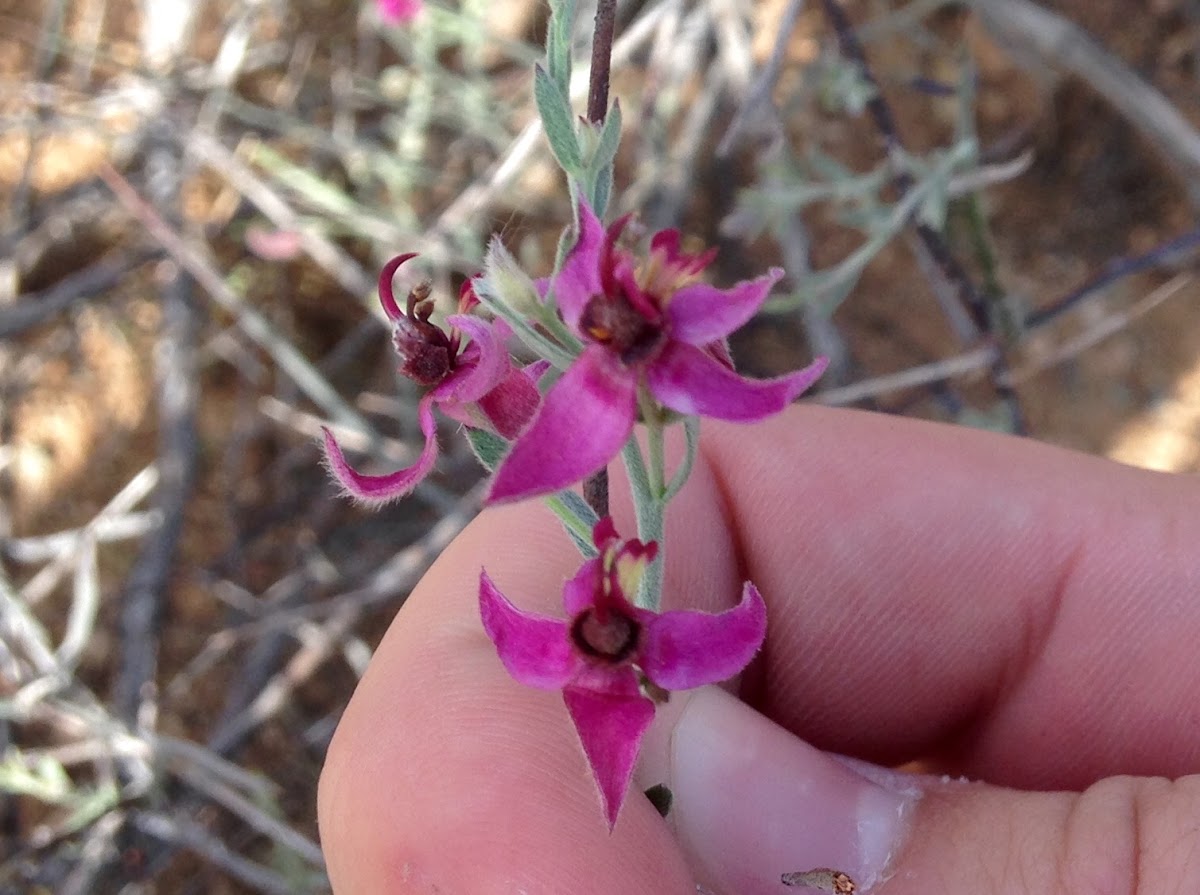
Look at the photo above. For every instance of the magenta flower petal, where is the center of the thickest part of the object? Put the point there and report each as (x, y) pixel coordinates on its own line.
(623, 276)
(379, 489)
(610, 726)
(398, 11)
(678, 264)
(579, 593)
(387, 297)
(701, 314)
(484, 363)
(604, 533)
(579, 278)
(688, 380)
(535, 650)
(684, 649)
(536, 370)
(586, 417)
(607, 649)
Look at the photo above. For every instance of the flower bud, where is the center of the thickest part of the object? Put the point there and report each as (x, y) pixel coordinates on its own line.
(504, 281)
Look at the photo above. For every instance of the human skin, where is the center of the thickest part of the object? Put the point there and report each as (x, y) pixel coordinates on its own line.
(999, 610)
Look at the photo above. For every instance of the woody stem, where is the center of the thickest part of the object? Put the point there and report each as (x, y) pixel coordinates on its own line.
(602, 43)
(595, 488)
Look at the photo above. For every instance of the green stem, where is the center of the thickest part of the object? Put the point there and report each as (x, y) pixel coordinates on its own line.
(691, 429)
(649, 511)
(650, 592)
(639, 480)
(548, 316)
(981, 243)
(648, 490)
(560, 356)
(654, 431)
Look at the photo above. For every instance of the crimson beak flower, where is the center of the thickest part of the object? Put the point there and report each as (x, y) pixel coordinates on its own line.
(653, 325)
(398, 11)
(475, 384)
(608, 651)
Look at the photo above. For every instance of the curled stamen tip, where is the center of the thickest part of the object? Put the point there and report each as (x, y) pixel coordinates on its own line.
(419, 304)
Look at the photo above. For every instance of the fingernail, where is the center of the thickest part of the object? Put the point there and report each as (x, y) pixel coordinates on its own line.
(751, 802)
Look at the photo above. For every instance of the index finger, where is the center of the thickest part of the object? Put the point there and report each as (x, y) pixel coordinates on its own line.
(1025, 612)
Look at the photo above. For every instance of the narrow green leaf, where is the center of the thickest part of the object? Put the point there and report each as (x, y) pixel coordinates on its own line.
(599, 189)
(489, 447)
(558, 42)
(577, 518)
(582, 544)
(610, 139)
(557, 119)
(598, 178)
(579, 507)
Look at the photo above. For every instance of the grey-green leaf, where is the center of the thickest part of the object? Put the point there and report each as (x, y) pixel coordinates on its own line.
(610, 139)
(557, 119)
(489, 447)
(558, 42)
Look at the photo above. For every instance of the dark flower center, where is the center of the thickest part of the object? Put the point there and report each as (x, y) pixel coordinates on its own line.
(614, 322)
(426, 353)
(611, 637)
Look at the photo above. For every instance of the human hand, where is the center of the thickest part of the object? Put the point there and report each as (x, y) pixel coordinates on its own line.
(1000, 610)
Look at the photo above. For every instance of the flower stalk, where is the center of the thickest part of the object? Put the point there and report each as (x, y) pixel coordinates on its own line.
(623, 338)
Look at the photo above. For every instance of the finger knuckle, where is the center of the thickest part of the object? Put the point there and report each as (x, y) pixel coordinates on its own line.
(1133, 836)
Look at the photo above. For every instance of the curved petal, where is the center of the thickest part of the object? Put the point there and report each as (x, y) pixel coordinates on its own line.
(484, 368)
(579, 278)
(665, 243)
(379, 489)
(585, 420)
(688, 380)
(579, 593)
(387, 298)
(610, 724)
(467, 299)
(536, 370)
(686, 649)
(700, 313)
(536, 650)
(625, 278)
(677, 264)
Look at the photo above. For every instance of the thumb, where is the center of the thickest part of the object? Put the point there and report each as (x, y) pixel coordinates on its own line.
(756, 809)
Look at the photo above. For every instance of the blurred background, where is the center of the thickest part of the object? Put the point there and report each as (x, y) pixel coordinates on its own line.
(987, 212)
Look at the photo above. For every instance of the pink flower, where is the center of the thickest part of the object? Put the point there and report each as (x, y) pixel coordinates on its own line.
(398, 11)
(608, 651)
(476, 384)
(654, 327)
